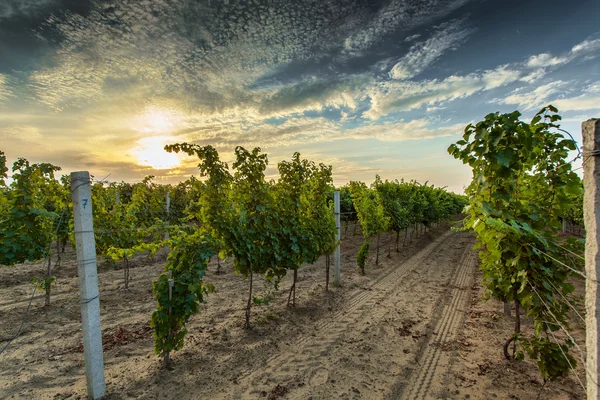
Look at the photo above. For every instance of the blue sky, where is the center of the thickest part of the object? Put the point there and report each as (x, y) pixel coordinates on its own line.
(371, 87)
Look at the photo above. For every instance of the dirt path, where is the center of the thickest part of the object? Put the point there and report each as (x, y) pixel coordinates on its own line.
(384, 335)
(379, 328)
(428, 380)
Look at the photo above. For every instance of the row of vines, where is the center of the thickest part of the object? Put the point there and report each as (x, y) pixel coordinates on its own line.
(268, 228)
(523, 186)
(394, 206)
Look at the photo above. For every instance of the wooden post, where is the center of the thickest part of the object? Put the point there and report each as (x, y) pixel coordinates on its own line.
(591, 217)
(87, 274)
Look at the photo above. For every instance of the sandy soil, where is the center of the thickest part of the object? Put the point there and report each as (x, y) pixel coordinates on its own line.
(481, 372)
(405, 330)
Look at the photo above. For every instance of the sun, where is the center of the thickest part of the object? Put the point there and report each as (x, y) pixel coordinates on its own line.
(150, 152)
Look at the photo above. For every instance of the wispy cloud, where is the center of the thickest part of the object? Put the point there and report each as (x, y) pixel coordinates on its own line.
(129, 54)
(400, 131)
(391, 96)
(395, 15)
(528, 100)
(540, 64)
(412, 37)
(590, 45)
(447, 36)
(555, 93)
(545, 60)
(5, 91)
(586, 101)
(10, 8)
(314, 94)
(404, 96)
(24, 133)
(296, 131)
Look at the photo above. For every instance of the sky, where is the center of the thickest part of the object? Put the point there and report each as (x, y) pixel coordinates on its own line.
(369, 87)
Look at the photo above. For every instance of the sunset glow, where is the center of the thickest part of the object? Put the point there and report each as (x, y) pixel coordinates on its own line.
(150, 152)
(155, 120)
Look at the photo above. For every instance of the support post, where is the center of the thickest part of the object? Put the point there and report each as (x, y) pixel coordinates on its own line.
(336, 205)
(168, 211)
(591, 217)
(168, 353)
(87, 274)
(564, 225)
(507, 309)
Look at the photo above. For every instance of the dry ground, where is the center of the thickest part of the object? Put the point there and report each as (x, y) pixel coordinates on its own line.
(415, 327)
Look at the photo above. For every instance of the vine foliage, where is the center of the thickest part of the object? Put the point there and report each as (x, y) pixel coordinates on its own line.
(521, 187)
(187, 264)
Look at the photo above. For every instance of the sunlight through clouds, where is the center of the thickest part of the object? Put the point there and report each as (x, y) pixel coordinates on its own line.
(156, 120)
(150, 152)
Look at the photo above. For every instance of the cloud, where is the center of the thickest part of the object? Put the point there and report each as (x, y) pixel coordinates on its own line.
(534, 76)
(448, 36)
(216, 54)
(588, 100)
(291, 131)
(241, 66)
(315, 94)
(5, 91)
(412, 37)
(404, 96)
(400, 131)
(578, 103)
(545, 60)
(121, 48)
(11, 8)
(396, 15)
(576, 118)
(297, 131)
(591, 44)
(543, 63)
(24, 133)
(528, 100)
(395, 95)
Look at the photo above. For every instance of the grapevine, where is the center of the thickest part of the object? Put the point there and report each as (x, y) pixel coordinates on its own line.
(187, 264)
(521, 186)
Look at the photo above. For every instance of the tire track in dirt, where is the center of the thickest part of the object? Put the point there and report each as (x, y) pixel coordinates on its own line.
(383, 284)
(308, 348)
(421, 381)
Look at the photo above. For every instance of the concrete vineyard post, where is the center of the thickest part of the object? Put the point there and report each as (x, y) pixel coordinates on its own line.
(336, 205)
(591, 217)
(507, 309)
(87, 274)
(564, 225)
(168, 353)
(168, 210)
